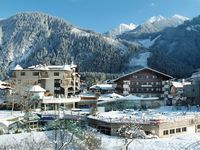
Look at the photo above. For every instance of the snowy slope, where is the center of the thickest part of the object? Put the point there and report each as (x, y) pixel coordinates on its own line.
(36, 38)
(151, 26)
(41, 140)
(121, 29)
(181, 142)
(140, 59)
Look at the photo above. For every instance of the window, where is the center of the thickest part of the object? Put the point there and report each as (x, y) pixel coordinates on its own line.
(23, 73)
(165, 132)
(184, 129)
(19, 81)
(127, 82)
(157, 83)
(56, 73)
(198, 126)
(35, 73)
(135, 76)
(172, 131)
(178, 130)
(154, 77)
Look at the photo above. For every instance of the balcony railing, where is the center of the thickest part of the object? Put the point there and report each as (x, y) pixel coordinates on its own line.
(54, 100)
(43, 75)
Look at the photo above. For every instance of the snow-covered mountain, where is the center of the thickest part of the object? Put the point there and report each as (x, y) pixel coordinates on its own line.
(155, 19)
(150, 28)
(178, 48)
(121, 29)
(33, 38)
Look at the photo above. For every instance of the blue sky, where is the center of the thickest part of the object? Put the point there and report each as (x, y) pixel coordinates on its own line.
(102, 15)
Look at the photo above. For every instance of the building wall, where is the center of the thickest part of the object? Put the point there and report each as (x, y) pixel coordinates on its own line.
(192, 92)
(184, 126)
(24, 79)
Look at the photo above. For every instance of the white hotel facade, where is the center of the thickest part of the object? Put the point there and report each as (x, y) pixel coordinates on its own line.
(60, 84)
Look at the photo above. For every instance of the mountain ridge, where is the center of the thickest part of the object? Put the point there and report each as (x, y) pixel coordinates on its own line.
(33, 38)
(38, 38)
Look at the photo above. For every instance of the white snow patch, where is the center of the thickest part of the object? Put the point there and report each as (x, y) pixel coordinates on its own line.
(140, 60)
(79, 32)
(116, 43)
(193, 28)
(177, 16)
(180, 142)
(155, 19)
(22, 140)
(7, 114)
(147, 42)
(121, 29)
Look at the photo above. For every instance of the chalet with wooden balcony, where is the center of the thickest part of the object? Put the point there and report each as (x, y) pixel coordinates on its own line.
(142, 82)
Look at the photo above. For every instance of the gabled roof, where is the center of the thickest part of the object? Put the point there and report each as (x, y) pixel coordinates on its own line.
(180, 84)
(103, 87)
(36, 88)
(141, 70)
(18, 67)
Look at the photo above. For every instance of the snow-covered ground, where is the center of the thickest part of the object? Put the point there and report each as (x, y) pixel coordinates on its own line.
(22, 141)
(147, 42)
(7, 114)
(181, 142)
(40, 140)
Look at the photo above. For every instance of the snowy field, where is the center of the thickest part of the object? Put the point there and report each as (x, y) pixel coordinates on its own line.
(181, 142)
(7, 114)
(39, 139)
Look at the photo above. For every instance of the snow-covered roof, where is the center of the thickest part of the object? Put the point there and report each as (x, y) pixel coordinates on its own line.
(36, 88)
(87, 95)
(133, 97)
(164, 114)
(18, 67)
(103, 87)
(66, 67)
(112, 95)
(4, 85)
(107, 98)
(39, 67)
(52, 67)
(180, 84)
(170, 77)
